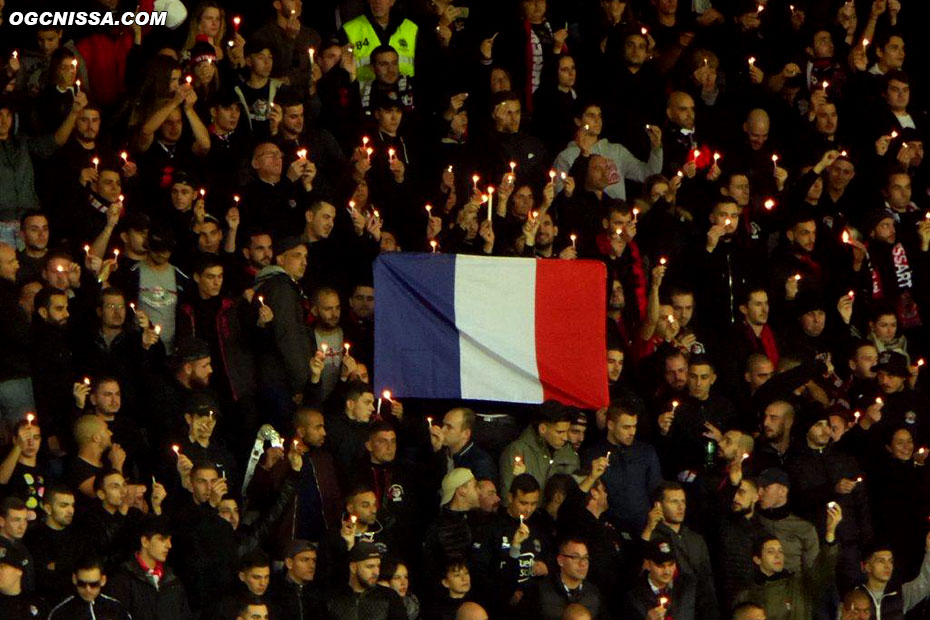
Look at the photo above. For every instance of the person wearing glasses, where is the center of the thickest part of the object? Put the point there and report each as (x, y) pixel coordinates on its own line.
(550, 597)
(88, 602)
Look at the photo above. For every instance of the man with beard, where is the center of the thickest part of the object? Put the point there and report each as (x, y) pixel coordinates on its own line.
(191, 369)
(362, 592)
(360, 323)
(777, 423)
(256, 255)
(546, 235)
(735, 535)
(198, 444)
(93, 439)
(50, 357)
(328, 337)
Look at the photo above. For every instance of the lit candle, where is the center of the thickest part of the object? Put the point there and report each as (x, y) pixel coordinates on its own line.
(74, 63)
(121, 198)
(922, 451)
(856, 416)
(643, 31)
(674, 405)
(346, 346)
(132, 306)
(115, 254)
(662, 260)
(302, 154)
(894, 134)
(429, 210)
(474, 179)
(236, 21)
(177, 449)
(769, 204)
(391, 155)
(86, 380)
(745, 456)
(490, 201)
(572, 238)
(429, 421)
(29, 419)
(852, 294)
(311, 51)
(236, 199)
(189, 79)
(15, 54)
(752, 62)
(797, 277)
(376, 214)
(87, 250)
(844, 153)
(324, 348)
(845, 236)
(77, 84)
(727, 222)
(697, 153)
(563, 175)
(513, 168)
(858, 479)
(635, 214)
(920, 362)
(125, 157)
(551, 176)
(96, 162)
(879, 401)
(158, 330)
(351, 206)
(865, 43)
(825, 85)
(434, 245)
(365, 141)
(831, 505)
(386, 395)
(295, 444)
(203, 193)
(353, 519)
(663, 601)
(261, 300)
(368, 152)
(716, 157)
(760, 8)
(449, 169)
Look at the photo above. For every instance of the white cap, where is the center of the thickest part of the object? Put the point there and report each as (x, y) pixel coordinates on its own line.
(177, 12)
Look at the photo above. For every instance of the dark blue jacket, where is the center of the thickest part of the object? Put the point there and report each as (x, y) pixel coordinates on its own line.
(632, 475)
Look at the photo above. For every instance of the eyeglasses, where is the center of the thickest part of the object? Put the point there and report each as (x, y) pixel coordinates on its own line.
(88, 584)
(576, 557)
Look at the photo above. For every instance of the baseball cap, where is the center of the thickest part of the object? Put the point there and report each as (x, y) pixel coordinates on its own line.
(892, 363)
(659, 551)
(202, 403)
(286, 243)
(452, 481)
(12, 556)
(191, 350)
(773, 475)
(298, 546)
(363, 550)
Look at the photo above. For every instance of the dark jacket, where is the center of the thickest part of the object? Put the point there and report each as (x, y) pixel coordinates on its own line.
(296, 601)
(138, 593)
(376, 603)
(631, 476)
(285, 350)
(14, 333)
(75, 608)
(548, 598)
(234, 355)
(682, 600)
(693, 561)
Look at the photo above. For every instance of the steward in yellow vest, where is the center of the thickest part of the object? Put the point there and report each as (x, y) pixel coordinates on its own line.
(365, 33)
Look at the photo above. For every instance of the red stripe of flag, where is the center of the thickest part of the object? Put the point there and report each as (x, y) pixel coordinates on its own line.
(571, 339)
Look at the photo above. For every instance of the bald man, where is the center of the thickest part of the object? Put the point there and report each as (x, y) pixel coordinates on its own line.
(471, 611)
(757, 128)
(748, 611)
(16, 397)
(576, 612)
(679, 140)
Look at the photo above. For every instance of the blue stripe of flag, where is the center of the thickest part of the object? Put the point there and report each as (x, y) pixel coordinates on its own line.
(416, 341)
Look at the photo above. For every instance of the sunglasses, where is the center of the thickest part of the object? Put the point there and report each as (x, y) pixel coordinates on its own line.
(88, 584)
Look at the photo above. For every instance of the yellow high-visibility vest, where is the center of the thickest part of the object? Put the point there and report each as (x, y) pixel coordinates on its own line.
(364, 39)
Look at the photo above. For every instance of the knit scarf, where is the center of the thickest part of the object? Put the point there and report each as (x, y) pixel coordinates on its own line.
(765, 340)
(906, 306)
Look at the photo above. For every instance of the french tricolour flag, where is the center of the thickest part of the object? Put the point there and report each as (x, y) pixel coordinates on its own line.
(505, 329)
